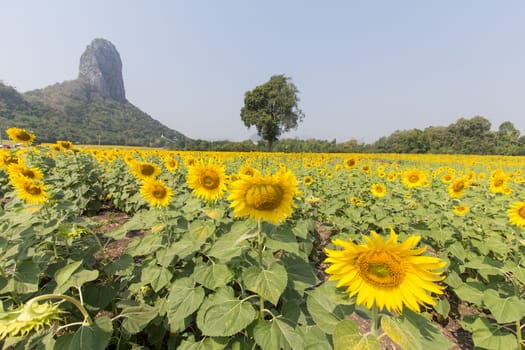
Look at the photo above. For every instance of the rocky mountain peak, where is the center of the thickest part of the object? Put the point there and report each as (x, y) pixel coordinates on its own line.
(101, 70)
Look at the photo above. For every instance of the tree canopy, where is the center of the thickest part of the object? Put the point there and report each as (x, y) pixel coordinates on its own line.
(272, 108)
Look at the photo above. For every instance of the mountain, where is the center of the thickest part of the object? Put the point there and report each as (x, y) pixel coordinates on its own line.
(90, 109)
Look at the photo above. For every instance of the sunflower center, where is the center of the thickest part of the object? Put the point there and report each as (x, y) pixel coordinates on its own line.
(413, 178)
(264, 196)
(210, 180)
(159, 192)
(147, 170)
(23, 136)
(498, 182)
(33, 190)
(29, 173)
(459, 186)
(381, 269)
(521, 212)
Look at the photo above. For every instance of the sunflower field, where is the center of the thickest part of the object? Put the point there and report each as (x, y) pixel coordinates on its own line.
(157, 249)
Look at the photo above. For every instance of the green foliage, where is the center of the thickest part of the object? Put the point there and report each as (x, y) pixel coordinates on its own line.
(272, 108)
(82, 119)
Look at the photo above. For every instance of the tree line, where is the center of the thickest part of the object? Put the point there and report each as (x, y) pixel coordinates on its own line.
(465, 136)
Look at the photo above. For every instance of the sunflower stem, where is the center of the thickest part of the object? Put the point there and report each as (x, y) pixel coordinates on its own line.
(101, 247)
(55, 252)
(78, 304)
(518, 322)
(375, 316)
(260, 251)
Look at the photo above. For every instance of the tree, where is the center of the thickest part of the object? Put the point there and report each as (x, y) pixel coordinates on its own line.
(507, 138)
(272, 108)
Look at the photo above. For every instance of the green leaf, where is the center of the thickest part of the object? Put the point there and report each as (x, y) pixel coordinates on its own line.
(442, 307)
(26, 277)
(282, 238)
(94, 337)
(137, 317)
(325, 311)
(471, 291)
(301, 228)
(212, 276)
(517, 271)
(223, 315)
(485, 266)
(70, 276)
(183, 300)
(504, 309)
(423, 330)
(315, 338)
(209, 343)
(63, 275)
(201, 230)
(139, 221)
(401, 336)
(347, 337)
(241, 343)
(183, 248)
(277, 334)
(146, 245)
(122, 266)
(98, 296)
(232, 244)
(157, 276)
(269, 284)
(301, 274)
(165, 256)
(457, 251)
(487, 335)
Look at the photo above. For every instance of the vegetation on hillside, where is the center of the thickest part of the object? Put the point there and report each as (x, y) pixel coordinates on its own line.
(59, 113)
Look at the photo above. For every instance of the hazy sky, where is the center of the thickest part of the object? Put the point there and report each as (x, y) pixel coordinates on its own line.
(363, 68)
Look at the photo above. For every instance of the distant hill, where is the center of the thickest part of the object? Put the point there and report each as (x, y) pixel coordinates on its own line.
(90, 109)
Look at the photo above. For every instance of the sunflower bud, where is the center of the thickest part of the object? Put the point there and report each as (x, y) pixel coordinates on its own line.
(30, 317)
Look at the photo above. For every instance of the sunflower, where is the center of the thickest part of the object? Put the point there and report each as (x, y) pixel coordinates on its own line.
(414, 178)
(20, 136)
(7, 159)
(144, 170)
(156, 193)
(65, 145)
(28, 318)
(171, 164)
(308, 180)
(498, 181)
(17, 169)
(356, 201)
(447, 178)
(350, 163)
(392, 175)
(248, 171)
(457, 188)
(378, 190)
(207, 180)
(461, 210)
(268, 198)
(30, 191)
(387, 274)
(517, 214)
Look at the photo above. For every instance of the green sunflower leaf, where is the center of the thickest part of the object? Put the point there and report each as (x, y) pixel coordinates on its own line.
(347, 337)
(277, 334)
(504, 309)
(269, 283)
